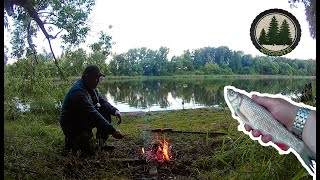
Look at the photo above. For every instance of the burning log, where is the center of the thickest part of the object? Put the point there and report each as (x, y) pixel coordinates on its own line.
(158, 151)
(157, 154)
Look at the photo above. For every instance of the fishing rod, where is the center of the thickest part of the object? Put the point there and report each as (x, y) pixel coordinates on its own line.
(170, 130)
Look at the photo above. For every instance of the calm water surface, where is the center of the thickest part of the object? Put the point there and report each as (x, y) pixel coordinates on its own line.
(174, 94)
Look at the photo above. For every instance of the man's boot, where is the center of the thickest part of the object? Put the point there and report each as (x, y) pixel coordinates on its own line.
(107, 148)
(102, 138)
(84, 142)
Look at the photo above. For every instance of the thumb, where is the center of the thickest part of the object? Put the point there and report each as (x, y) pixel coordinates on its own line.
(266, 102)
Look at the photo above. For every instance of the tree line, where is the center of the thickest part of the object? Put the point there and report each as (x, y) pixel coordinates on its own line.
(205, 61)
(148, 62)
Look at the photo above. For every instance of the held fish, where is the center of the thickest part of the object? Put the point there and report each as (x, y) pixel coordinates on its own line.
(253, 114)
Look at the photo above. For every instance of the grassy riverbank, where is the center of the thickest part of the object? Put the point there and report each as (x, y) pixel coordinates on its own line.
(33, 150)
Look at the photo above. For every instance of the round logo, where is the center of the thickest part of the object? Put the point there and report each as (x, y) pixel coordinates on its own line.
(275, 32)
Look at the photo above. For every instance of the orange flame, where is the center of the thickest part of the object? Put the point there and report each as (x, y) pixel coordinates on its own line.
(165, 149)
(160, 151)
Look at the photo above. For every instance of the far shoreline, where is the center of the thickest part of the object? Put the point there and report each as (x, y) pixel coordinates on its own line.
(233, 76)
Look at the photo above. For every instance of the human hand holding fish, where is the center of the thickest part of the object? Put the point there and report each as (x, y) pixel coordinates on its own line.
(281, 110)
(273, 118)
(285, 113)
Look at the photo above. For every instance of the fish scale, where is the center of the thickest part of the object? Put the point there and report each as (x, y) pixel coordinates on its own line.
(259, 118)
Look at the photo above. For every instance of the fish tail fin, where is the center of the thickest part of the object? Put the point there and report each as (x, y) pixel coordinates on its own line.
(308, 156)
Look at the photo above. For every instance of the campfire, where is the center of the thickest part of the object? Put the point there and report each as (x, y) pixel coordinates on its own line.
(159, 151)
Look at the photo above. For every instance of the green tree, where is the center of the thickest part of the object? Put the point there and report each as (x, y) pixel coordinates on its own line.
(284, 36)
(266, 67)
(97, 58)
(310, 11)
(75, 61)
(64, 19)
(263, 37)
(5, 59)
(273, 32)
(113, 66)
(160, 61)
(203, 56)
(235, 62)
(177, 66)
(187, 60)
(285, 69)
(123, 65)
(247, 70)
(100, 51)
(212, 69)
(148, 62)
(103, 45)
(247, 60)
(222, 56)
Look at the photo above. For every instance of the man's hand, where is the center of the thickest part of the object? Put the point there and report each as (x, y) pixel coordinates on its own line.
(117, 134)
(281, 109)
(118, 115)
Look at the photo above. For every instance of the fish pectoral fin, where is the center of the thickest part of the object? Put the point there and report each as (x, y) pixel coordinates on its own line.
(242, 117)
(282, 146)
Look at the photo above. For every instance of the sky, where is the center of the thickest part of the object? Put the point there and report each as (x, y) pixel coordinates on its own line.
(183, 24)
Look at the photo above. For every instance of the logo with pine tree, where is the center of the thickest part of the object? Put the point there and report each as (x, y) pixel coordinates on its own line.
(275, 32)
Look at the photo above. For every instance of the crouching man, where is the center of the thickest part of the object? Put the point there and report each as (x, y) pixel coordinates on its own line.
(84, 109)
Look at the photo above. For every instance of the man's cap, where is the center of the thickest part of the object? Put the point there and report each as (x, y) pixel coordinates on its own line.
(93, 70)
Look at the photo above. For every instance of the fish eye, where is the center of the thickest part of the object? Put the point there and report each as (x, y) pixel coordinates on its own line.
(232, 93)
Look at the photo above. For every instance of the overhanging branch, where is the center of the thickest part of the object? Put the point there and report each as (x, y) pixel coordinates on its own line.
(30, 42)
(57, 34)
(33, 14)
(50, 13)
(56, 61)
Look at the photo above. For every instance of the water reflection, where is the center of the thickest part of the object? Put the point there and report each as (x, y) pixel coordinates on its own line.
(167, 94)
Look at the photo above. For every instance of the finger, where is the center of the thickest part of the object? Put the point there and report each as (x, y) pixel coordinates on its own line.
(247, 127)
(266, 138)
(263, 101)
(282, 146)
(119, 119)
(256, 133)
